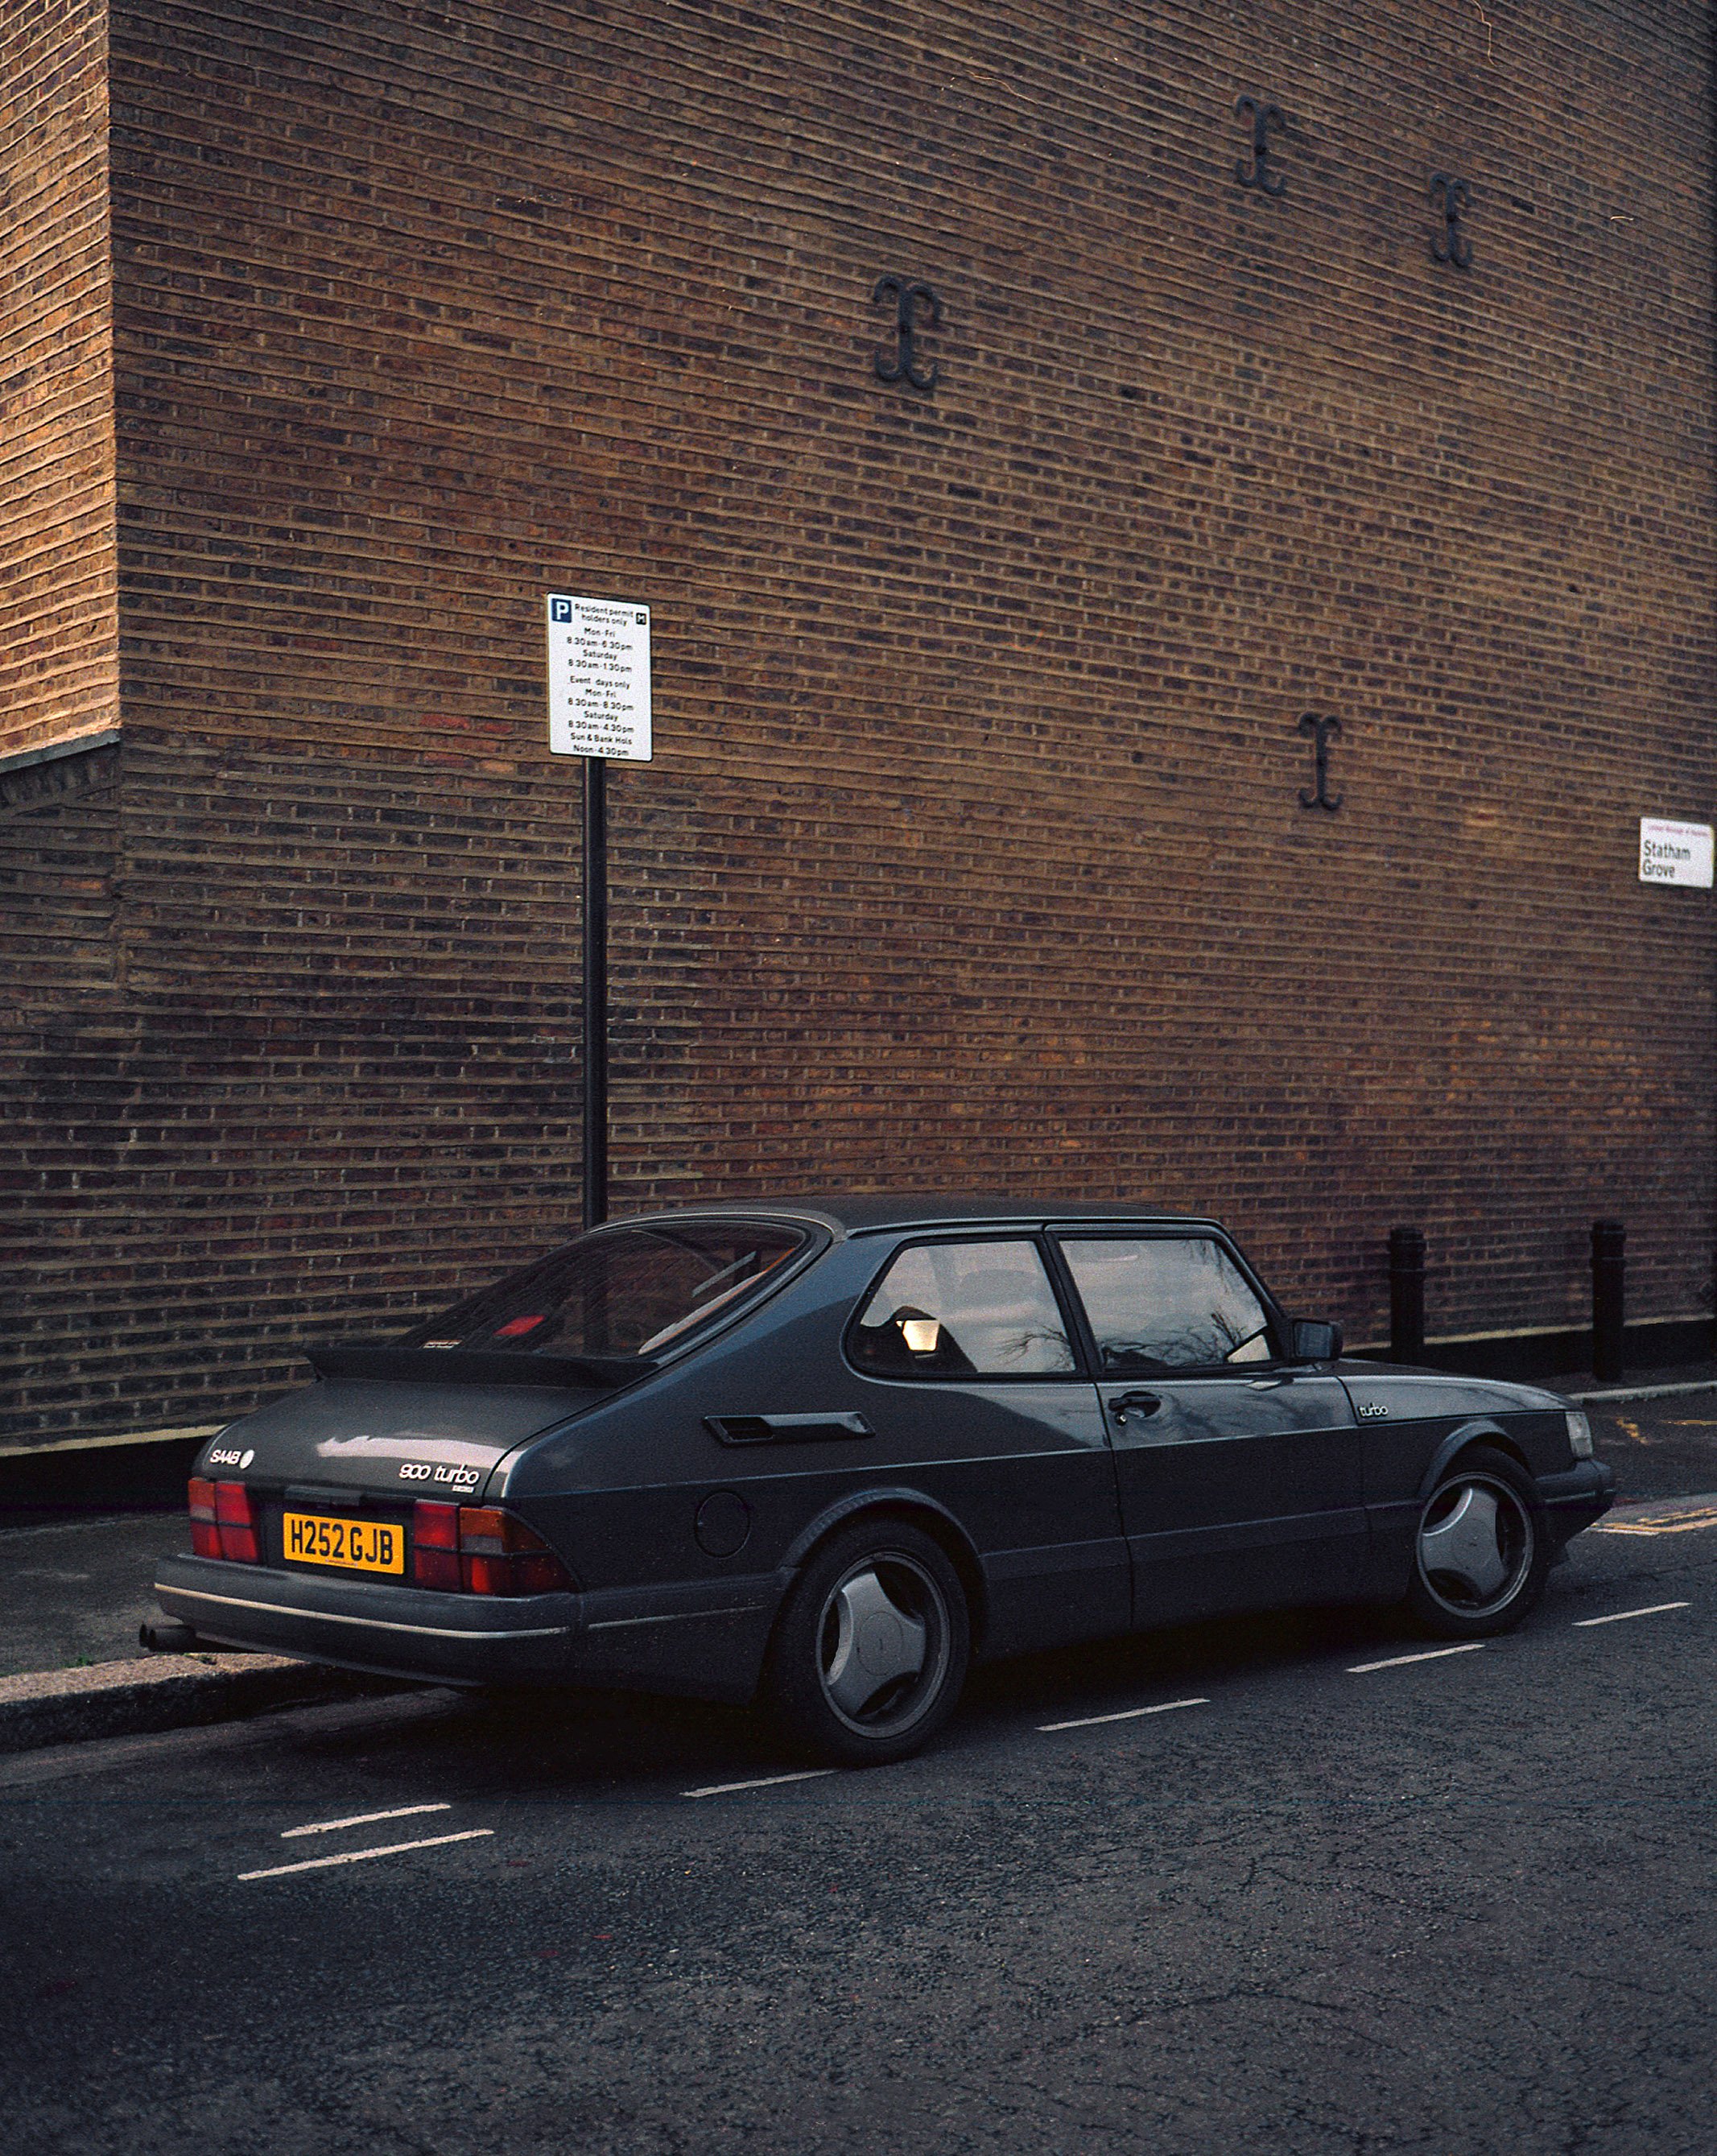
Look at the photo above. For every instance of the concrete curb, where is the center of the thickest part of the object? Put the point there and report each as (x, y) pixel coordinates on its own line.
(1620, 1393)
(159, 1692)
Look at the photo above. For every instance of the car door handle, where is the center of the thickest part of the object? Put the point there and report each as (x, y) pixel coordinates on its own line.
(1126, 1403)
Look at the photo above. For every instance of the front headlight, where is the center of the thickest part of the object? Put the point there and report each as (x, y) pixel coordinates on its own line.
(1579, 1435)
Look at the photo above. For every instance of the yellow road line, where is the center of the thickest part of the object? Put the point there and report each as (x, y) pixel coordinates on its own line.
(1671, 1523)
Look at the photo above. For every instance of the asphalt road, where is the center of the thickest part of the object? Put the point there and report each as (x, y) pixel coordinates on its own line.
(1451, 1905)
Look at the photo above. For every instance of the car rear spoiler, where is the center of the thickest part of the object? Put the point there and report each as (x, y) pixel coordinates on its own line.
(453, 1366)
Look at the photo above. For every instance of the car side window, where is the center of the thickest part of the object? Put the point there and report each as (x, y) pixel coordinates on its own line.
(962, 1310)
(1168, 1302)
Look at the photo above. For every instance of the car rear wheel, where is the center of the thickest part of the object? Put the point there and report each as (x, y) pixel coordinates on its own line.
(871, 1649)
(1481, 1549)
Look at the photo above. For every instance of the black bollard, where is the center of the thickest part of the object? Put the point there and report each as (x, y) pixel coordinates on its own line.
(1609, 1275)
(1406, 1295)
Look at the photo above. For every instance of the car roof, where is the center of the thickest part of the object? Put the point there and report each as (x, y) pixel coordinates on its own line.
(872, 1211)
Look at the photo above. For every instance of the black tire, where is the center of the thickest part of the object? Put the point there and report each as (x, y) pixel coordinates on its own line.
(870, 1650)
(1496, 1548)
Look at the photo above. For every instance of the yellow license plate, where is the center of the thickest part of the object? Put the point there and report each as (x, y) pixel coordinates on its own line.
(353, 1545)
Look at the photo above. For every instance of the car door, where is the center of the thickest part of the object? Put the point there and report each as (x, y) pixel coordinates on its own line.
(972, 1381)
(1239, 1476)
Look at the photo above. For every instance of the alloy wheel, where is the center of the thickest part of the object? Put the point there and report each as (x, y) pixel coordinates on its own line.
(883, 1644)
(1476, 1545)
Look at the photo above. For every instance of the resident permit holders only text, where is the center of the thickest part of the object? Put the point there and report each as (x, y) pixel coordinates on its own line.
(599, 678)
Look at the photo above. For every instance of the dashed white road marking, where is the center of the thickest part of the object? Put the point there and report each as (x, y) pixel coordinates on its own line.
(1616, 1616)
(1400, 1662)
(762, 1781)
(360, 1818)
(360, 1855)
(1126, 1714)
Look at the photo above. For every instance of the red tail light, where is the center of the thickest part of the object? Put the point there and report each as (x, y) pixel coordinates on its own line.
(483, 1551)
(235, 1523)
(205, 1535)
(540, 1571)
(495, 1551)
(435, 1546)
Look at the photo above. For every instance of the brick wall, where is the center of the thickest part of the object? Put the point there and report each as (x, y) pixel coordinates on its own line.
(58, 624)
(335, 1080)
(972, 855)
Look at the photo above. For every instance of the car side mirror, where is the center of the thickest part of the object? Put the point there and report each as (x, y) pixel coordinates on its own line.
(1314, 1342)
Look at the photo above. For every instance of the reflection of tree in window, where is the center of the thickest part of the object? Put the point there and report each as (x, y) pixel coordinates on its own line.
(1166, 1303)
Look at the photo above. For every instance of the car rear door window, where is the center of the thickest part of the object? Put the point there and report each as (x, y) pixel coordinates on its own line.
(1169, 1302)
(963, 1310)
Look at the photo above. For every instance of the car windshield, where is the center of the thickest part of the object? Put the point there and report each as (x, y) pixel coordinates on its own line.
(618, 1291)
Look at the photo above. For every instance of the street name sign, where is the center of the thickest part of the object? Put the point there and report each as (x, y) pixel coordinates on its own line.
(599, 678)
(1675, 853)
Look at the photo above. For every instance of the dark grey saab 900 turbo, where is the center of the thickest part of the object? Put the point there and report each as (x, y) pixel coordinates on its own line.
(824, 1452)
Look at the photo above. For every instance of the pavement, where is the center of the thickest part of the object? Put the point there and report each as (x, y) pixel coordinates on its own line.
(1661, 1444)
(1287, 1886)
(74, 1586)
(74, 1592)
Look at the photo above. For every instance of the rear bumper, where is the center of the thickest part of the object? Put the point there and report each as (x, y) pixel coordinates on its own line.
(401, 1631)
(1584, 1493)
(707, 1640)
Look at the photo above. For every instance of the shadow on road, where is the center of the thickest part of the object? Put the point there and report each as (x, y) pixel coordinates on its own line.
(626, 1747)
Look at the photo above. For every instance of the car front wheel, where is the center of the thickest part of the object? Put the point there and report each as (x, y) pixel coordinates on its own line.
(870, 1653)
(1481, 1550)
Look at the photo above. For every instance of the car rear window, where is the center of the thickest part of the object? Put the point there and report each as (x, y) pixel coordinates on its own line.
(618, 1291)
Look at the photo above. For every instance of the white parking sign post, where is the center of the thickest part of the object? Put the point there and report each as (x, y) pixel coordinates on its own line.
(599, 708)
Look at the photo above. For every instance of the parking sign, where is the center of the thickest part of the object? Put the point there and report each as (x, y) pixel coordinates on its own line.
(599, 678)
